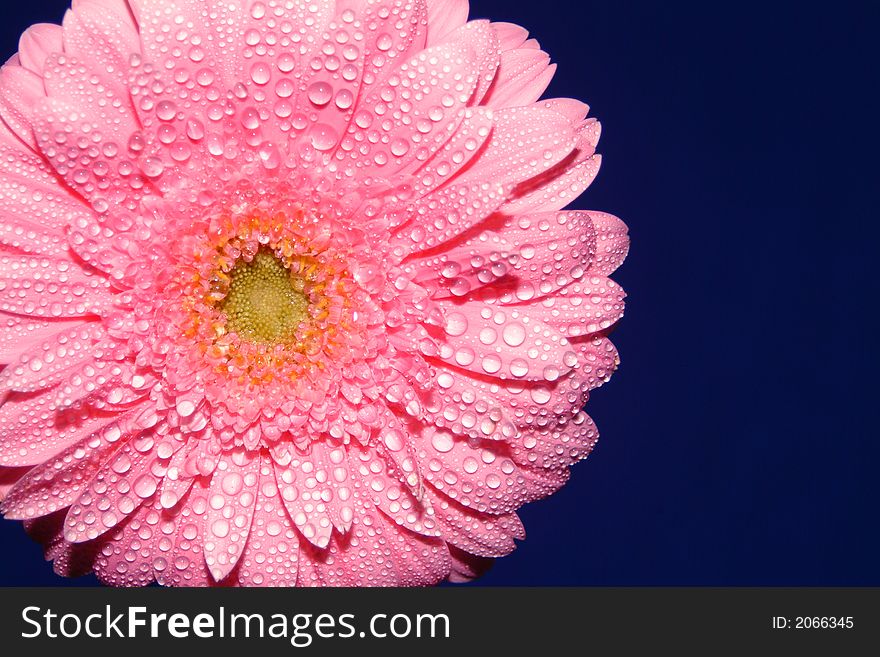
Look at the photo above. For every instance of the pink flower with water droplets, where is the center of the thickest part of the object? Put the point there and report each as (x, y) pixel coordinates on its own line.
(287, 296)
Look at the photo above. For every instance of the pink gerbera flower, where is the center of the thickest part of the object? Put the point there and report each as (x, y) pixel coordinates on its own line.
(286, 294)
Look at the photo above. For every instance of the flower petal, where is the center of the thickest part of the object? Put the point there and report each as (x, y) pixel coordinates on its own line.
(130, 553)
(70, 134)
(43, 287)
(69, 559)
(32, 430)
(231, 502)
(418, 129)
(600, 359)
(455, 154)
(59, 481)
(390, 496)
(272, 552)
(37, 43)
(305, 492)
(481, 475)
(47, 364)
(103, 41)
(523, 75)
(184, 526)
(30, 193)
(476, 533)
(159, 22)
(558, 445)
(507, 343)
(21, 91)
(9, 477)
(447, 213)
(526, 142)
(19, 334)
(383, 556)
(444, 17)
(587, 306)
(118, 489)
(612, 243)
(561, 184)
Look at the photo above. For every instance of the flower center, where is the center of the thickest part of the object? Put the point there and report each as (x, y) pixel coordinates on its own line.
(265, 301)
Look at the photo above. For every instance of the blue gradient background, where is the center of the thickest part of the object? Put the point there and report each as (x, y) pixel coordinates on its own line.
(739, 439)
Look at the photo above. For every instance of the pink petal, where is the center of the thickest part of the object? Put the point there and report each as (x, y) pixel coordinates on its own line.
(129, 554)
(37, 43)
(20, 92)
(60, 480)
(272, 552)
(287, 75)
(382, 556)
(103, 41)
(558, 445)
(395, 31)
(70, 560)
(612, 243)
(526, 142)
(470, 406)
(476, 533)
(457, 152)
(42, 287)
(392, 497)
(159, 19)
(178, 479)
(444, 17)
(47, 364)
(33, 430)
(23, 236)
(183, 540)
(510, 36)
(119, 7)
(562, 183)
(89, 239)
(306, 494)
(24, 177)
(572, 109)
(587, 306)
(600, 357)
(480, 475)
(448, 213)
(9, 477)
(458, 67)
(553, 251)
(101, 382)
(487, 408)
(523, 75)
(231, 500)
(505, 343)
(481, 259)
(118, 489)
(78, 108)
(19, 334)
(465, 567)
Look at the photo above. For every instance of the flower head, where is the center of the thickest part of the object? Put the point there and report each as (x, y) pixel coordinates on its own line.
(287, 296)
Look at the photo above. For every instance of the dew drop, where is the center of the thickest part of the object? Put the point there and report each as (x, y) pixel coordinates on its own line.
(323, 137)
(320, 93)
(442, 442)
(261, 73)
(145, 485)
(344, 99)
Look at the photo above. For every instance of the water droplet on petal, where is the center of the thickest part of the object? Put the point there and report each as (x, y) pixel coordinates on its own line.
(323, 137)
(320, 93)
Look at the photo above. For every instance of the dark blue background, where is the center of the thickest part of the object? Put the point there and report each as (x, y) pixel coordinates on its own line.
(739, 442)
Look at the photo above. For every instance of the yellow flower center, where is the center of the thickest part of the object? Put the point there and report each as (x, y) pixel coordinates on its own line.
(265, 301)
